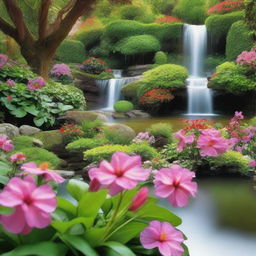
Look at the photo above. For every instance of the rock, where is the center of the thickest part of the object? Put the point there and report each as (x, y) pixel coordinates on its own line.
(137, 70)
(9, 130)
(66, 174)
(130, 114)
(116, 115)
(123, 130)
(28, 130)
(140, 113)
(38, 143)
(79, 117)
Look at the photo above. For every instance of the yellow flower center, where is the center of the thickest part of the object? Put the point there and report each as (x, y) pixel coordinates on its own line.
(163, 237)
(44, 166)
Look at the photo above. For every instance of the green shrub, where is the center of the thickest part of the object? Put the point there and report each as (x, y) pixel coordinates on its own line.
(231, 160)
(123, 106)
(144, 150)
(130, 90)
(40, 155)
(253, 121)
(71, 51)
(233, 78)
(160, 58)
(90, 38)
(101, 76)
(115, 137)
(67, 94)
(163, 6)
(131, 12)
(137, 45)
(191, 11)
(86, 143)
(238, 40)
(165, 76)
(161, 130)
(91, 128)
(212, 62)
(218, 25)
(21, 142)
(105, 152)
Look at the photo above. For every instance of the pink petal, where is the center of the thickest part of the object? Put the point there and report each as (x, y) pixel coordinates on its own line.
(126, 183)
(179, 198)
(163, 190)
(37, 218)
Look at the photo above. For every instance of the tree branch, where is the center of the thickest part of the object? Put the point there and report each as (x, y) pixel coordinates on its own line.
(43, 18)
(8, 29)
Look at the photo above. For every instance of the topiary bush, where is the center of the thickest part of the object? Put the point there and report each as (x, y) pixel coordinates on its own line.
(71, 51)
(238, 40)
(137, 45)
(160, 58)
(191, 11)
(219, 25)
(123, 106)
(131, 12)
(212, 62)
(90, 38)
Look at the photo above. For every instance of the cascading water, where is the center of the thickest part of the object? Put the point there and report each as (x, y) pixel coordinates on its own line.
(112, 87)
(195, 45)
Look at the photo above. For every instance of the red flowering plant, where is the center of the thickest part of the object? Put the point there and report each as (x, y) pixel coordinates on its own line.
(95, 66)
(71, 132)
(167, 19)
(155, 97)
(226, 7)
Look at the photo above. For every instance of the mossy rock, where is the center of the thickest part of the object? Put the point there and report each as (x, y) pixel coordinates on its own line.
(130, 90)
(52, 140)
(124, 130)
(79, 117)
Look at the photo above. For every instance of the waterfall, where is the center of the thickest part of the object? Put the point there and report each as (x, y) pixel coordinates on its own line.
(112, 88)
(195, 47)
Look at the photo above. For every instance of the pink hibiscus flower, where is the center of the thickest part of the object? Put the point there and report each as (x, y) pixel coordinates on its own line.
(18, 157)
(41, 170)
(5, 144)
(32, 205)
(183, 139)
(252, 163)
(211, 143)
(140, 199)
(175, 184)
(123, 172)
(164, 236)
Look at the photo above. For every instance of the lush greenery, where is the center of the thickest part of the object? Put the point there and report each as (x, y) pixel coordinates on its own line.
(123, 106)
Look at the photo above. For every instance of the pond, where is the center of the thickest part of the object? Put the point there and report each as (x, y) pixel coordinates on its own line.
(220, 221)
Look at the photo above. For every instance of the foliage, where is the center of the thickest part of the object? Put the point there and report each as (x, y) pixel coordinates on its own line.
(95, 66)
(160, 58)
(161, 131)
(238, 30)
(71, 132)
(167, 19)
(162, 6)
(219, 25)
(131, 12)
(130, 90)
(137, 45)
(233, 78)
(123, 106)
(191, 11)
(61, 73)
(83, 144)
(213, 61)
(71, 51)
(91, 128)
(21, 142)
(101, 76)
(226, 7)
(116, 137)
(143, 149)
(165, 77)
(250, 13)
(90, 38)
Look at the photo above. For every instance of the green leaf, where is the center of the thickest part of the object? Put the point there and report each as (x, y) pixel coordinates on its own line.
(5, 210)
(90, 204)
(39, 249)
(31, 110)
(3, 179)
(5, 168)
(95, 236)
(80, 244)
(119, 248)
(38, 121)
(77, 188)
(66, 205)
(19, 112)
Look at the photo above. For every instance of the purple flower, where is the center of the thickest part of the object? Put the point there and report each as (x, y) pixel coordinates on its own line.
(36, 84)
(61, 70)
(10, 82)
(3, 60)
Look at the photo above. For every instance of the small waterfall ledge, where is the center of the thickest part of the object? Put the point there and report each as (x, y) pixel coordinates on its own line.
(195, 47)
(111, 88)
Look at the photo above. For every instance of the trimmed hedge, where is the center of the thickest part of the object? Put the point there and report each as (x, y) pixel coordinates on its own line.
(71, 51)
(138, 45)
(130, 90)
(123, 106)
(238, 40)
(131, 12)
(219, 25)
(160, 58)
(90, 38)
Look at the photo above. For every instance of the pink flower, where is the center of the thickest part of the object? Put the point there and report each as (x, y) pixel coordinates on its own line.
(140, 199)
(41, 170)
(175, 184)
(32, 205)
(183, 139)
(164, 236)
(5, 144)
(61, 70)
(3, 60)
(35, 84)
(18, 157)
(211, 143)
(10, 82)
(9, 98)
(123, 172)
(94, 185)
(252, 163)
(239, 115)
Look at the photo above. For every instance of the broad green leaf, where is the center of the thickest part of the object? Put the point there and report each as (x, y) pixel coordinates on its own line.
(31, 110)
(66, 205)
(39, 249)
(128, 232)
(186, 252)
(80, 244)
(95, 236)
(3, 179)
(119, 248)
(19, 112)
(5, 210)
(90, 204)
(76, 188)
(38, 121)
(4, 168)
